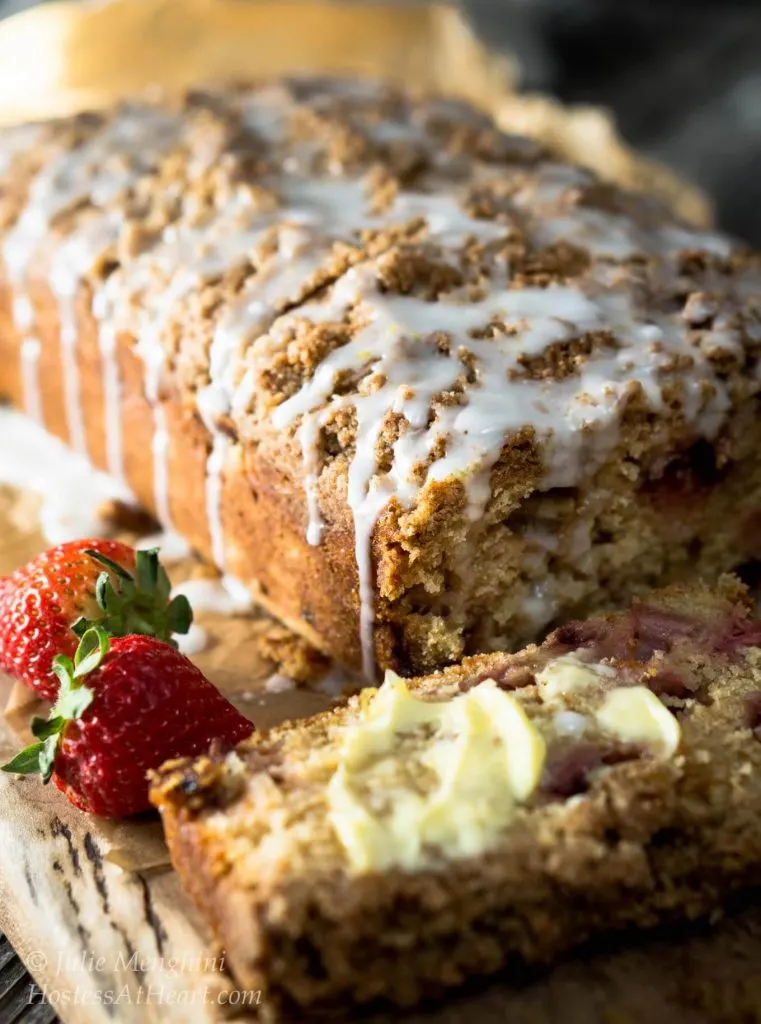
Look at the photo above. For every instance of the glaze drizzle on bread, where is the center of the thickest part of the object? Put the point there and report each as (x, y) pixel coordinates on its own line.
(423, 388)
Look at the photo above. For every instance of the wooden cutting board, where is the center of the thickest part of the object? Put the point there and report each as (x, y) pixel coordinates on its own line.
(103, 924)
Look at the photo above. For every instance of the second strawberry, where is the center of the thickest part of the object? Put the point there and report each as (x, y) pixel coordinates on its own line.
(49, 602)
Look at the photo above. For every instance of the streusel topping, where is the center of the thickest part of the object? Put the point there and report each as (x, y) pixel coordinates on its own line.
(390, 284)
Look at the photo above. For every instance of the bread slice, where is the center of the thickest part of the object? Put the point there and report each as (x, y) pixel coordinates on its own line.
(632, 797)
(423, 387)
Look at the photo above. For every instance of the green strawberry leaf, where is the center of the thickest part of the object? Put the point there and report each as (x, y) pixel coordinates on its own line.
(37, 758)
(180, 614)
(137, 604)
(102, 588)
(90, 652)
(73, 700)
(73, 697)
(26, 762)
(72, 705)
(115, 568)
(63, 667)
(163, 584)
(42, 728)
(142, 626)
(147, 568)
(46, 757)
(80, 626)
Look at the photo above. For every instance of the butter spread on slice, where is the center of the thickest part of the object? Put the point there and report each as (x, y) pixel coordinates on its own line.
(415, 776)
(634, 714)
(570, 674)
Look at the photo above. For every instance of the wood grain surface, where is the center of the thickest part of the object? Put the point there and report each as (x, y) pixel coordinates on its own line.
(21, 1002)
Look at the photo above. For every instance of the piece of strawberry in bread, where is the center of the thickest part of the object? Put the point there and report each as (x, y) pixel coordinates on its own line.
(506, 808)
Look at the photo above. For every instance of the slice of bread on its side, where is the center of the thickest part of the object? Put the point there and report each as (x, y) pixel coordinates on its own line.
(504, 809)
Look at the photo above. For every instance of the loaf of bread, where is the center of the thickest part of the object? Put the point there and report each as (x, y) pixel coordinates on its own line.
(426, 390)
(497, 812)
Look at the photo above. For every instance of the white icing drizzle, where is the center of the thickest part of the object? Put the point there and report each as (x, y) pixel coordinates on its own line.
(616, 237)
(279, 683)
(71, 262)
(194, 641)
(64, 279)
(403, 368)
(214, 482)
(337, 681)
(72, 398)
(225, 596)
(31, 350)
(17, 139)
(397, 344)
(99, 170)
(171, 546)
(602, 233)
(309, 439)
(539, 607)
(160, 451)
(313, 214)
(570, 723)
(149, 348)
(405, 371)
(112, 400)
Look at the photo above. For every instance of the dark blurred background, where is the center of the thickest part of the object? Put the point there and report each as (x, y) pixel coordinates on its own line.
(683, 79)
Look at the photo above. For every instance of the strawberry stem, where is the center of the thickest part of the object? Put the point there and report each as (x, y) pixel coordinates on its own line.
(73, 700)
(109, 563)
(137, 604)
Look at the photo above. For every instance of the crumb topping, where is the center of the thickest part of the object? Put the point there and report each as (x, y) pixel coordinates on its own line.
(384, 284)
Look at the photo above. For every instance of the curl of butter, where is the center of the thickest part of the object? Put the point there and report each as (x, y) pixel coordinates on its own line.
(478, 756)
(635, 715)
(569, 674)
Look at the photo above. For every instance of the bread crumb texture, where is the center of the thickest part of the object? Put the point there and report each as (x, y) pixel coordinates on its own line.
(630, 820)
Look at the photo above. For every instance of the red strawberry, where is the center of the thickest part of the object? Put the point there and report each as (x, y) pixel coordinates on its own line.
(72, 586)
(143, 704)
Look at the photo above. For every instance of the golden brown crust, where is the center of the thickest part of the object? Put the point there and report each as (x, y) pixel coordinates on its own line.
(646, 841)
